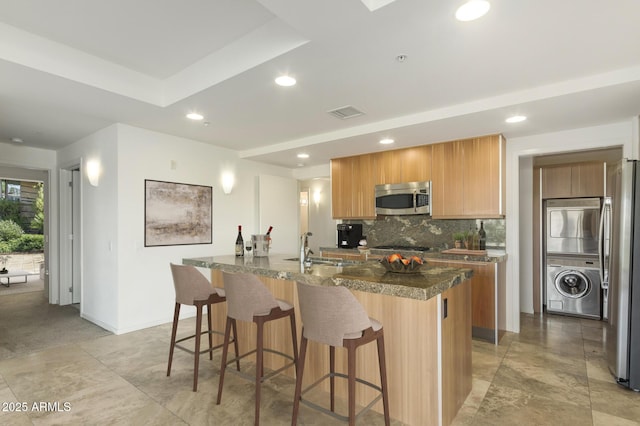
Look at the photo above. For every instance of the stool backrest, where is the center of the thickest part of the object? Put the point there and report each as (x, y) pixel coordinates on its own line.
(247, 296)
(330, 313)
(190, 284)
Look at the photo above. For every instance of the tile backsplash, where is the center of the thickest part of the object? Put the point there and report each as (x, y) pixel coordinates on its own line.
(420, 230)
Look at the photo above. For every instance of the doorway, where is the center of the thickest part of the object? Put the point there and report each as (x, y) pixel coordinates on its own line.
(24, 194)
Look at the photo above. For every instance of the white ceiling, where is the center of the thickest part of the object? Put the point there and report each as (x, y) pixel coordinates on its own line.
(69, 68)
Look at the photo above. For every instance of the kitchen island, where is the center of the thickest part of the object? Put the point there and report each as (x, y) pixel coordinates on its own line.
(426, 318)
(488, 284)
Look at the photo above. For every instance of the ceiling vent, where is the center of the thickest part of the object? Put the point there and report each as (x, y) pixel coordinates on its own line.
(345, 112)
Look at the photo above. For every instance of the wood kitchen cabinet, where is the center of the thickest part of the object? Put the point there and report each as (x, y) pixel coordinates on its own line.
(403, 165)
(352, 187)
(468, 178)
(573, 180)
(446, 180)
(416, 164)
(341, 187)
(488, 297)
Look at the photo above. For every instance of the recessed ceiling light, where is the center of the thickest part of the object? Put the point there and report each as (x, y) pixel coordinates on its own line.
(386, 141)
(16, 140)
(303, 155)
(194, 116)
(515, 119)
(471, 10)
(285, 80)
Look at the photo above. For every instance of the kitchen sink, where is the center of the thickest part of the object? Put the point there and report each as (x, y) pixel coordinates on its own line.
(333, 261)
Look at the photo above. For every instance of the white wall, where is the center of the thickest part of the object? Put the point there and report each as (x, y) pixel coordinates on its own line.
(526, 221)
(99, 222)
(519, 187)
(146, 295)
(274, 192)
(321, 223)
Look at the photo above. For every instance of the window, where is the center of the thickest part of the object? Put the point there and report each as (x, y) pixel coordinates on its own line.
(10, 190)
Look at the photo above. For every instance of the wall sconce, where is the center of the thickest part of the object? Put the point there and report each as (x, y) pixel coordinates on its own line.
(304, 199)
(93, 172)
(316, 197)
(227, 182)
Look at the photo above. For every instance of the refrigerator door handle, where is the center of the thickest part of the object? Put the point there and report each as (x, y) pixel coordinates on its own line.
(601, 242)
(604, 215)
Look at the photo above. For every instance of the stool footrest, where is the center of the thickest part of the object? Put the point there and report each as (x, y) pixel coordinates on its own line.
(204, 351)
(332, 413)
(266, 376)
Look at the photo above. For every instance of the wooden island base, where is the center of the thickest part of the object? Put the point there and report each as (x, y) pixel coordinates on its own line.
(428, 350)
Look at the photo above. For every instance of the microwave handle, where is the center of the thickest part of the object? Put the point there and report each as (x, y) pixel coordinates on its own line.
(415, 201)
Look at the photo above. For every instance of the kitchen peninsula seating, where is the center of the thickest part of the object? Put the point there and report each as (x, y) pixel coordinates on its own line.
(249, 300)
(193, 289)
(333, 316)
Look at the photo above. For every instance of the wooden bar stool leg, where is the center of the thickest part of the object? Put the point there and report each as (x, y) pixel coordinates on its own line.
(383, 379)
(351, 369)
(235, 343)
(259, 368)
(299, 373)
(174, 330)
(210, 330)
(225, 348)
(332, 379)
(294, 338)
(196, 355)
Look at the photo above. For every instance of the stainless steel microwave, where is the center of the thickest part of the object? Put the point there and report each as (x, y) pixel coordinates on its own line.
(403, 198)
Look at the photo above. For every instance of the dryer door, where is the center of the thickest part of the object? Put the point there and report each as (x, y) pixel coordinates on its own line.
(573, 284)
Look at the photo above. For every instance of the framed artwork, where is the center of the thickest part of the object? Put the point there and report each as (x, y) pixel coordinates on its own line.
(177, 213)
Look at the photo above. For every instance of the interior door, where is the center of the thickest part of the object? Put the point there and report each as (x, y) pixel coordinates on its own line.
(76, 277)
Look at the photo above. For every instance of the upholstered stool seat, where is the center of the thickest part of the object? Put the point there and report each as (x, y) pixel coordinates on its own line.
(332, 315)
(193, 289)
(249, 300)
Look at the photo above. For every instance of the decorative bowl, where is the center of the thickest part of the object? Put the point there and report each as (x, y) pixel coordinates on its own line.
(397, 264)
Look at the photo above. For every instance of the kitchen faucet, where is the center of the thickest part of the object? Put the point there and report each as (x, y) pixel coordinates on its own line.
(305, 252)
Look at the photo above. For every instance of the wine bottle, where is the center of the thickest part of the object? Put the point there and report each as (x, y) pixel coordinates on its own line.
(239, 242)
(483, 236)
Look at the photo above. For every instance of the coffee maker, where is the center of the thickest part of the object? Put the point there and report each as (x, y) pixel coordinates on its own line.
(349, 235)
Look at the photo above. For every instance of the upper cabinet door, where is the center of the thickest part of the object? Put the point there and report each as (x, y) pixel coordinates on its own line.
(468, 178)
(416, 164)
(341, 189)
(556, 182)
(364, 182)
(388, 167)
(573, 180)
(587, 179)
(353, 187)
(483, 174)
(446, 180)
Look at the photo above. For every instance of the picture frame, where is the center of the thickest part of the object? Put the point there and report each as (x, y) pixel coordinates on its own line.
(177, 213)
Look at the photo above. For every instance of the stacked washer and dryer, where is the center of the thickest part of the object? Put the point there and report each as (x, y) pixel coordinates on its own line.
(572, 257)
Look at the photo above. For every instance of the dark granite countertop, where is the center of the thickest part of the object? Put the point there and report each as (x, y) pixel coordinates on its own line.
(492, 256)
(368, 276)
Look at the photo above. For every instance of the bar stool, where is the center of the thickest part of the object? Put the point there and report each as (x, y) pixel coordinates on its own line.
(333, 316)
(249, 300)
(193, 289)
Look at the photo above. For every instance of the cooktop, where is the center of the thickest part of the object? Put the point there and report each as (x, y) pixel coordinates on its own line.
(405, 248)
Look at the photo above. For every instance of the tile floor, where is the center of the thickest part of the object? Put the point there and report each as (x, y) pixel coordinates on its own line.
(552, 373)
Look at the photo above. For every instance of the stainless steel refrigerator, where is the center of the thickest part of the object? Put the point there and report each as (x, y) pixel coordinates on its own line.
(623, 298)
